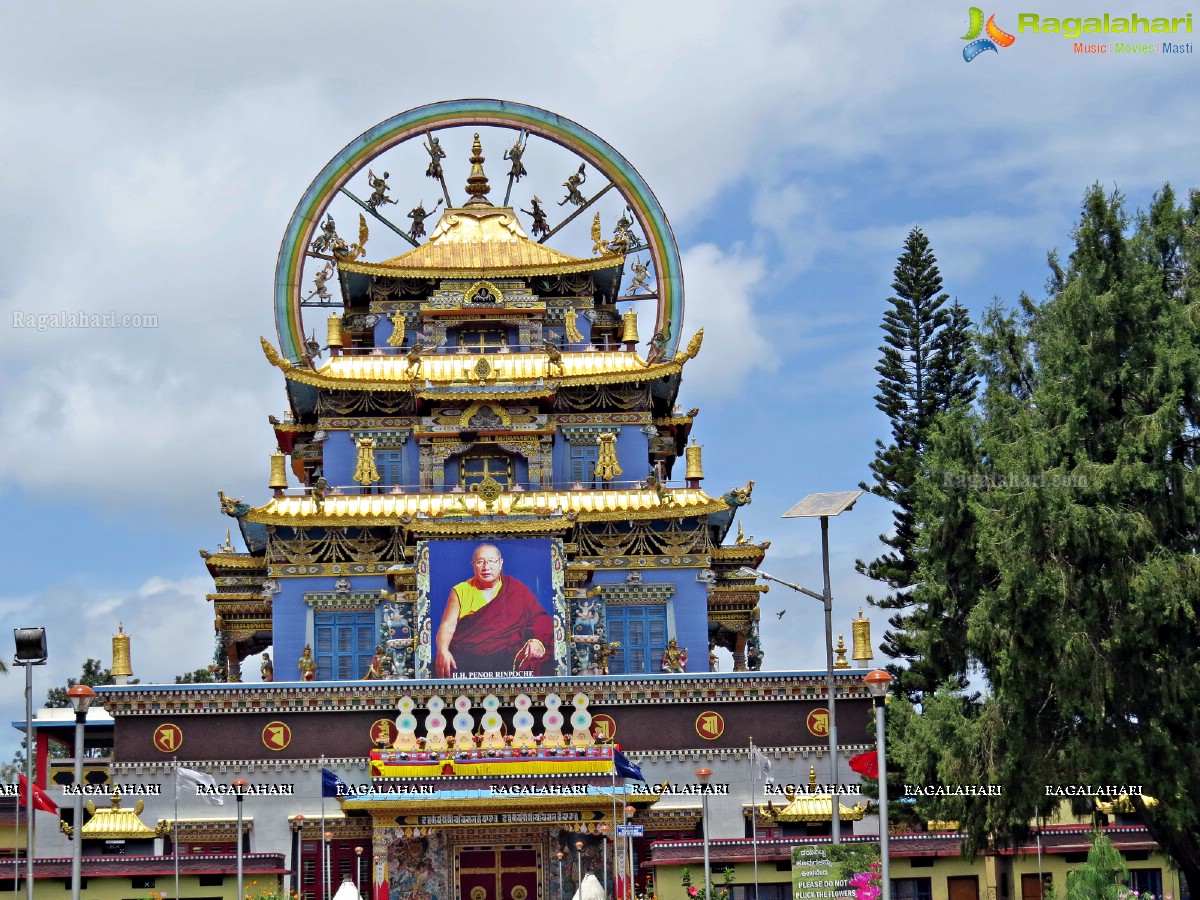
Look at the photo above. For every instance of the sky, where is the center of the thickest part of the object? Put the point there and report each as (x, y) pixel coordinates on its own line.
(153, 154)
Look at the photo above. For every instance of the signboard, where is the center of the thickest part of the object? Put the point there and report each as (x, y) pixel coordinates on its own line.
(631, 831)
(814, 874)
(491, 609)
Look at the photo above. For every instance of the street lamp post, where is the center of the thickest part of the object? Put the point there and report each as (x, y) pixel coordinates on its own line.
(327, 865)
(239, 791)
(824, 506)
(81, 697)
(358, 852)
(629, 880)
(703, 775)
(30, 651)
(579, 868)
(604, 843)
(877, 681)
(562, 891)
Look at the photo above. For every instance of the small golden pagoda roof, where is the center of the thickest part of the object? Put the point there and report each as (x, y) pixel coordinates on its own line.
(116, 823)
(384, 509)
(470, 242)
(811, 806)
(818, 808)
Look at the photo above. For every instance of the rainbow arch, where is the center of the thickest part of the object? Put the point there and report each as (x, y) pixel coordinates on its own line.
(447, 114)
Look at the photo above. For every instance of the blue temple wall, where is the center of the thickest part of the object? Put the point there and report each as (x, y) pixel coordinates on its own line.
(339, 456)
(687, 609)
(632, 453)
(289, 623)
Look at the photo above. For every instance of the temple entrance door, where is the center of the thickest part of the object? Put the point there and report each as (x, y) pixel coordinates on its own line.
(498, 873)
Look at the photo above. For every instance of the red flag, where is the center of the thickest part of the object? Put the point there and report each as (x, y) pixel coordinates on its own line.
(866, 764)
(41, 800)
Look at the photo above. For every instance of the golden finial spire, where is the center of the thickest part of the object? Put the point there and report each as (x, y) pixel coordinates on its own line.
(695, 466)
(278, 482)
(842, 662)
(122, 668)
(860, 628)
(477, 183)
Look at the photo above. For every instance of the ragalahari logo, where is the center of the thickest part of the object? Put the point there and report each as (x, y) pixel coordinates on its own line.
(994, 35)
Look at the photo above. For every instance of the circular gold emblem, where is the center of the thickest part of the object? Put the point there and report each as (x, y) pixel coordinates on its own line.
(168, 738)
(276, 735)
(710, 725)
(478, 893)
(519, 893)
(604, 727)
(383, 732)
(818, 722)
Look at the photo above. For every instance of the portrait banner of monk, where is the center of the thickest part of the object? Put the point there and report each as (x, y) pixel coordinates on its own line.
(490, 609)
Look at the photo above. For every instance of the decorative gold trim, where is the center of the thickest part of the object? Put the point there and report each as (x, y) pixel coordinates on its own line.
(563, 268)
(420, 511)
(445, 376)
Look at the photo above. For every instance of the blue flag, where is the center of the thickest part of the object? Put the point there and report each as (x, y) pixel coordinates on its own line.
(332, 786)
(625, 768)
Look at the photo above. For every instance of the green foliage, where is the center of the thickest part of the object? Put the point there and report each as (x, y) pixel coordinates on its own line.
(93, 674)
(1102, 877)
(199, 676)
(851, 859)
(1081, 538)
(926, 368)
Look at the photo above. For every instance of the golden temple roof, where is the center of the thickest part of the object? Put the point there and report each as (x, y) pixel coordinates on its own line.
(116, 823)
(468, 242)
(812, 806)
(818, 808)
(521, 373)
(585, 505)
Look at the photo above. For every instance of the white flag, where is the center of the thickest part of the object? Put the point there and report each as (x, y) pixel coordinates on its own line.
(205, 784)
(758, 758)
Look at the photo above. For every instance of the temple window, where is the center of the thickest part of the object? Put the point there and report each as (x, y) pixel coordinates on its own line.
(642, 633)
(344, 645)
(582, 459)
(390, 464)
(475, 467)
(480, 340)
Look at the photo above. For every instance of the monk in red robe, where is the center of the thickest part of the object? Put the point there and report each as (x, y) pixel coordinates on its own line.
(492, 624)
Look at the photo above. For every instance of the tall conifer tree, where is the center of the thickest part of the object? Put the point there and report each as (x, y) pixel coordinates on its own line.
(926, 368)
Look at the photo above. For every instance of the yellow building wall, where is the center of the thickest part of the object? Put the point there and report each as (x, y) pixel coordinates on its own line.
(121, 888)
(987, 869)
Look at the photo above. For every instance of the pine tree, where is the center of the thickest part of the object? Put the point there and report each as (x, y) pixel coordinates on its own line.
(926, 367)
(1087, 525)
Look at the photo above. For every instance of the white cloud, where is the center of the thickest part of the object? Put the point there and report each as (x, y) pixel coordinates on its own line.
(720, 298)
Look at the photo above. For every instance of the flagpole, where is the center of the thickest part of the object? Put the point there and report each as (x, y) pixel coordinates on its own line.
(16, 839)
(754, 813)
(175, 839)
(324, 849)
(616, 881)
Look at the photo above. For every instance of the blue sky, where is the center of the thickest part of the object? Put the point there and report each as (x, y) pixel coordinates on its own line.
(154, 153)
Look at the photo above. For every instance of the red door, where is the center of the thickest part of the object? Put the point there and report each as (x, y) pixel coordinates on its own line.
(498, 873)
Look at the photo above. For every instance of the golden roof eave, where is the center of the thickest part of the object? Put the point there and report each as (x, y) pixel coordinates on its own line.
(572, 267)
(817, 808)
(524, 372)
(457, 511)
(480, 242)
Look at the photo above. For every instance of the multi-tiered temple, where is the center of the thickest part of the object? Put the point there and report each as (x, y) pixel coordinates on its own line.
(486, 387)
(487, 560)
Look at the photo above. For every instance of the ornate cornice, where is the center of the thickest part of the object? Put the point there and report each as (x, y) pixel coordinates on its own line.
(157, 700)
